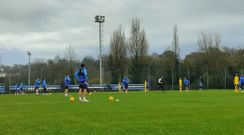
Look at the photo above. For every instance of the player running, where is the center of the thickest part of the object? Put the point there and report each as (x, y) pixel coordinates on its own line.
(67, 82)
(81, 76)
(125, 82)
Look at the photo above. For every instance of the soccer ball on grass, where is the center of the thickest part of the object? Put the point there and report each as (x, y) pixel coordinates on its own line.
(111, 98)
(72, 99)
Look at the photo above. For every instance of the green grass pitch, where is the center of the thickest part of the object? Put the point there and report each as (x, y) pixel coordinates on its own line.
(212, 112)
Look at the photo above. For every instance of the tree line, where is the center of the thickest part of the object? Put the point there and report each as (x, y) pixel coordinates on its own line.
(215, 64)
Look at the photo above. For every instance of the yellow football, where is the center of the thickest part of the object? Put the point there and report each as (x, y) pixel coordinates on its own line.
(72, 99)
(111, 98)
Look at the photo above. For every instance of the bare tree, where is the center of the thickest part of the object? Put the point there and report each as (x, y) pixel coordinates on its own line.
(176, 50)
(138, 48)
(138, 45)
(117, 56)
(175, 43)
(71, 57)
(70, 54)
(207, 41)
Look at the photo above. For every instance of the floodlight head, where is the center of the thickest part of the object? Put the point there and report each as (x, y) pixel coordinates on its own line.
(29, 53)
(99, 18)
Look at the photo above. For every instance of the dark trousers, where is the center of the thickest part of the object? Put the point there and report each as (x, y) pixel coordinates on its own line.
(161, 87)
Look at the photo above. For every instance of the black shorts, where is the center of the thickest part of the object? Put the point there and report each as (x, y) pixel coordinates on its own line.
(126, 86)
(36, 88)
(66, 87)
(83, 85)
(186, 85)
(44, 89)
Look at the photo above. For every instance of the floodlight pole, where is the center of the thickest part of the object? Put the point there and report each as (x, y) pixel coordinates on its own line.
(100, 56)
(29, 54)
(225, 78)
(100, 19)
(189, 77)
(172, 76)
(8, 82)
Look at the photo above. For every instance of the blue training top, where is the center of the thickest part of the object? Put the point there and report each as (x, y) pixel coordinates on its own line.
(44, 84)
(81, 75)
(125, 80)
(186, 82)
(37, 83)
(17, 86)
(21, 86)
(67, 81)
(242, 79)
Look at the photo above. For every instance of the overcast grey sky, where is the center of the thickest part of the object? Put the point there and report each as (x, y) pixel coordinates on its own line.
(47, 27)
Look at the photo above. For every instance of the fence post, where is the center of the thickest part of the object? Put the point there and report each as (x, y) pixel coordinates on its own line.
(119, 87)
(172, 87)
(189, 77)
(225, 78)
(207, 79)
(145, 86)
(8, 83)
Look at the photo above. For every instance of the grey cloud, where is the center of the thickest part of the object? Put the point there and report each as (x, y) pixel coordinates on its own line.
(49, 26)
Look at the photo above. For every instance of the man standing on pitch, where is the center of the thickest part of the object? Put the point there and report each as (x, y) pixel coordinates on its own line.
(125, 82)
(161, 83)
(186, 84)
(81, 76)
(44, 85)
(66, 84)
(200, 83)
(236, 82)
(180, 84)
(37, 85)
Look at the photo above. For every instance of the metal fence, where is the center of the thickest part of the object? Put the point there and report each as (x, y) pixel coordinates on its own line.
(2, 89)
(93, 87)
(32, 87)
(211, 79)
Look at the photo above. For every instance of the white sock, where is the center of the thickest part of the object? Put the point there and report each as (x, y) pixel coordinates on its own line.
(65, 94)
(80, 98)
(84, 98)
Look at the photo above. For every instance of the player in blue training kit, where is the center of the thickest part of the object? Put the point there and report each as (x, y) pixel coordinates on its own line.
(21, 89)
(17, 91)
(44, 85)
(37, 85)
(81, 76)
(242, 81)
(125, 82)
(67, 82)
(186, 84)
(200, 83)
